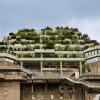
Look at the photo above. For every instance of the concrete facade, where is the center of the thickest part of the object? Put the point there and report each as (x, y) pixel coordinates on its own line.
(9, 90)
(51, 92)
(13, 91)
(14, 85)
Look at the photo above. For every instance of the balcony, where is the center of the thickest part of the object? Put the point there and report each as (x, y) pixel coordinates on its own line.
(39, 58)
(15, 76)
(8, 55)
(52, 74)
(46, 75)
(44, 50)
(51, 59)
(92, 48)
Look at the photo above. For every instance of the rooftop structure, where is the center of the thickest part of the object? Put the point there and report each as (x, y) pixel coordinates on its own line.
(60, 63)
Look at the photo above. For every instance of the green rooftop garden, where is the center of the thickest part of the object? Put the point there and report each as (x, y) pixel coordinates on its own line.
(49, 37)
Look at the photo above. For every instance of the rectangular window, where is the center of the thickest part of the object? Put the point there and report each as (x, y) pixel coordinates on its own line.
(61, 96)
(33, 97)
(98, 51)
(89, 53)
(52, 96)
(95, 52)
(98, 58)
(90, 60)
(86, 55)
(87, 61)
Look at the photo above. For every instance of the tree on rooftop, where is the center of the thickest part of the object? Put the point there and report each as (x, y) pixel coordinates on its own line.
(18, 38)
(11, 34)
(94, 42)
(66, 48)
(53, 39)
(48, 28)
(49, 45)
(80, 35)
(66, 28)
(85, 37)
(24, 30)
(37, 39)
(49, 32)
(75, 39)
(32, 30)
(75, 29)
(64, 35)
(29, 36)
(86, 47)
(59, 28)
(61, 37)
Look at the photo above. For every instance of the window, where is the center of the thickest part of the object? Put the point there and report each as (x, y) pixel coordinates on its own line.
(52, 96)
(87, 61)
(61, 89)
(33, 97)
(89, 53)
(98, 51)
(61, 96)
(86, 55)
(92, 60)
(98, 58)
(95, 52)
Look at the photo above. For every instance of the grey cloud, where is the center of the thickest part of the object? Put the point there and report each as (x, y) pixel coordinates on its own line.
(16, 14)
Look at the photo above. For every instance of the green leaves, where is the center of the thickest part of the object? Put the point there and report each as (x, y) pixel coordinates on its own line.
(49, 37)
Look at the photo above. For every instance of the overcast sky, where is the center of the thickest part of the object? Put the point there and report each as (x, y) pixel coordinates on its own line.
(18, 14)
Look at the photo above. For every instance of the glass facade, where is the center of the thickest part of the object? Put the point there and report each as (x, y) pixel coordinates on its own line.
(98, 51)
(92, 60)
(92, 53)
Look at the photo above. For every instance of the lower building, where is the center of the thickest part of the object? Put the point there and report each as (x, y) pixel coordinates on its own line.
(56, 82)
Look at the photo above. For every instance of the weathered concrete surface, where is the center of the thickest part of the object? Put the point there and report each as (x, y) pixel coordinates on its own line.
(9, 91)
(49, 92)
